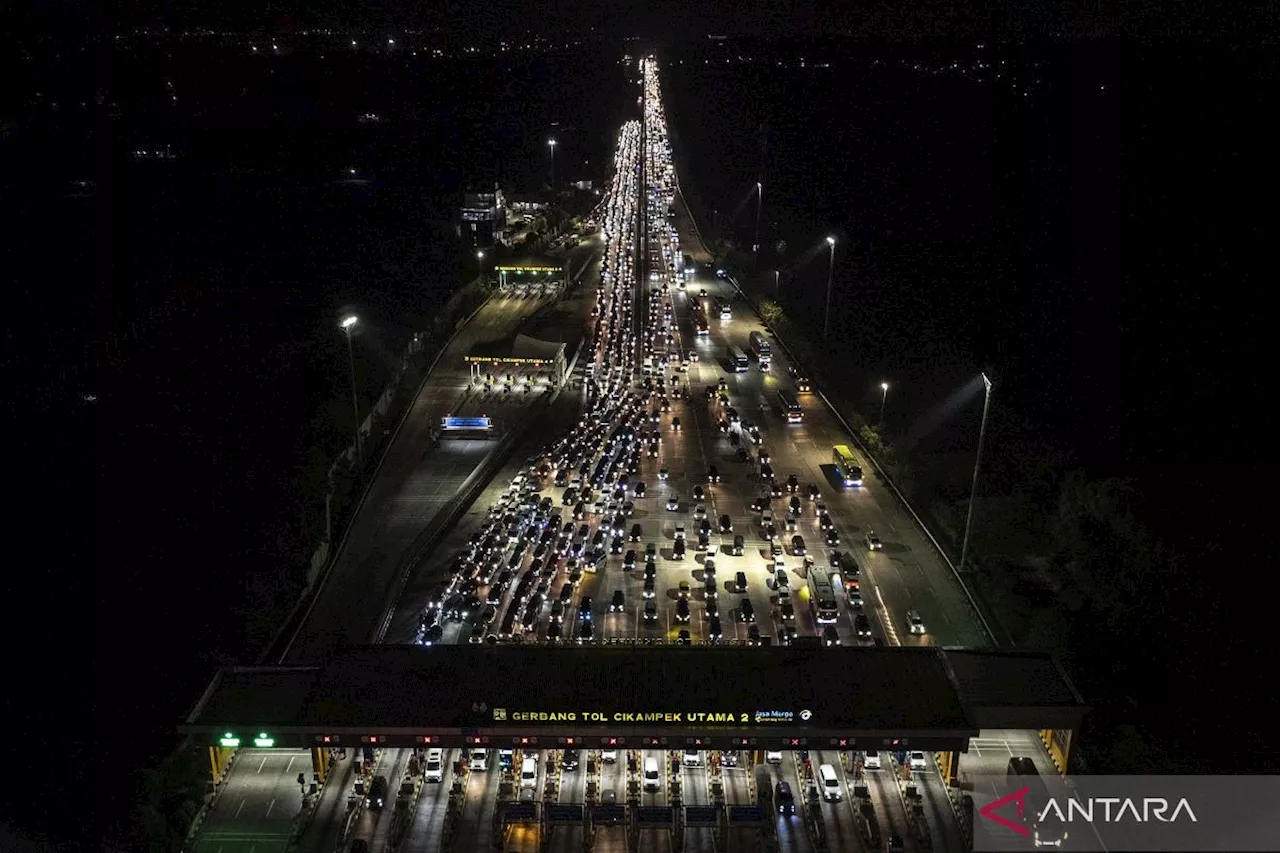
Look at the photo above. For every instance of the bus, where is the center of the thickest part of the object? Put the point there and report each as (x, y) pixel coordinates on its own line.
(848, 471)
(822, 597)
(760, 346)
(738, 359)
(790, 408)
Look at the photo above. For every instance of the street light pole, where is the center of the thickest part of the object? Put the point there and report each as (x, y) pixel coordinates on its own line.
(884, 395)
(831, 269)
(480, 264)
(552, 144)
(777, 285)
(347, 324)
(755, 247)
(973, 490)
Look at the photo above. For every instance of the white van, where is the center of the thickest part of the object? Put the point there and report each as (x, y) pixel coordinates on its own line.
(479, 759)
(830, 783)
(529, 773)
(435, 765)
(652, 779)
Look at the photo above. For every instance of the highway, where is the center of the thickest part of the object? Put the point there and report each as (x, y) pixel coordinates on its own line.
(670, 471)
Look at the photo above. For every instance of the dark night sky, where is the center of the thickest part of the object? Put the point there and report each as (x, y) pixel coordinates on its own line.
(1249, 20)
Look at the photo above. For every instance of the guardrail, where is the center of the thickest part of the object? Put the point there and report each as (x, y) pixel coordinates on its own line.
(307, 602)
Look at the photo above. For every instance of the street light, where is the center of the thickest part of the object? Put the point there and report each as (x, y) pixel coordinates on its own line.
(973, 489)
(777, 285)
(551, 143)
(755, 247)
(480, 263)
(884, 395)
(831, 268)
(348, 323)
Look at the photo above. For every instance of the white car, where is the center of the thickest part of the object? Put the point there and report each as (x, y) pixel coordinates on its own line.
(773, 756)
(917, 760)
(435, 765)
(609, 756)
(873, 541)
(673, 504)
(914, 622)
(871, 760)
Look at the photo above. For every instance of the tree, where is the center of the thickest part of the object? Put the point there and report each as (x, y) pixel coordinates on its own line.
(771, 312)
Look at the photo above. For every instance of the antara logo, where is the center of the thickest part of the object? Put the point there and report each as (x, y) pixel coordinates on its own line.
(1120, 809)
(1100, 809)
(1019, 798)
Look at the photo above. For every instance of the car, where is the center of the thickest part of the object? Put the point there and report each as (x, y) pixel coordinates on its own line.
(825, 523)
(711, 607)
(791, 522)
(746, 613)
(726, 524)
(713, 474)
(585, 632)
(662, 473)
(699, 513)
(770, 532)
(678, 549)
(699, 494)
(584, 608)
(795, 506)
(829, 636)
(917, 760)
(773, 756)
(740, 581)
(722, 425)
(651, 611)
(683, 638)
(786, 611)
(639, 490)
(714, 632)
(675, 424)
(673, 504)
(797, 545)
(873, 541)
(682, 610)
(433, 634)
(570, 759)
(753, 635)
(650, 587)
(863, 626)
(683, 589)
(833, 537)
(709, 586)
(793, 484)
(618, 603)
(914, 622)
(615, 546)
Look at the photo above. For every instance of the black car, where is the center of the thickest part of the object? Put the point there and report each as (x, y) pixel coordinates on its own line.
(746, 613)
(682, 610)
(636, 533)
(570, 760)
(713, 475)
(726, 524)
(618, 603)
(793, 484)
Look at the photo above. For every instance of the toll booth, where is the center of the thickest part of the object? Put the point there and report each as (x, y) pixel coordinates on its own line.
(517, 363)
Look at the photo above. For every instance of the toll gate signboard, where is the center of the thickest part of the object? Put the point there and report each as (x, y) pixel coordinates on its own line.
(700, 815)
(651, 815)
(564, 813)
(746, 814)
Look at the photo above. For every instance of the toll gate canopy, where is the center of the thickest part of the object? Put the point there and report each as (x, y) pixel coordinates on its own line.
(711, 697)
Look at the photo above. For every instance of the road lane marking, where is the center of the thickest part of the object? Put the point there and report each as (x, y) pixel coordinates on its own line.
(240, 808)
(262, 765)
(271, 806)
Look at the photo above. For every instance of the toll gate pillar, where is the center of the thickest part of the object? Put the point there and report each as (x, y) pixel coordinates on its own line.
(320, 762)
(1058, 742)
(949, 767)
(219, 760)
